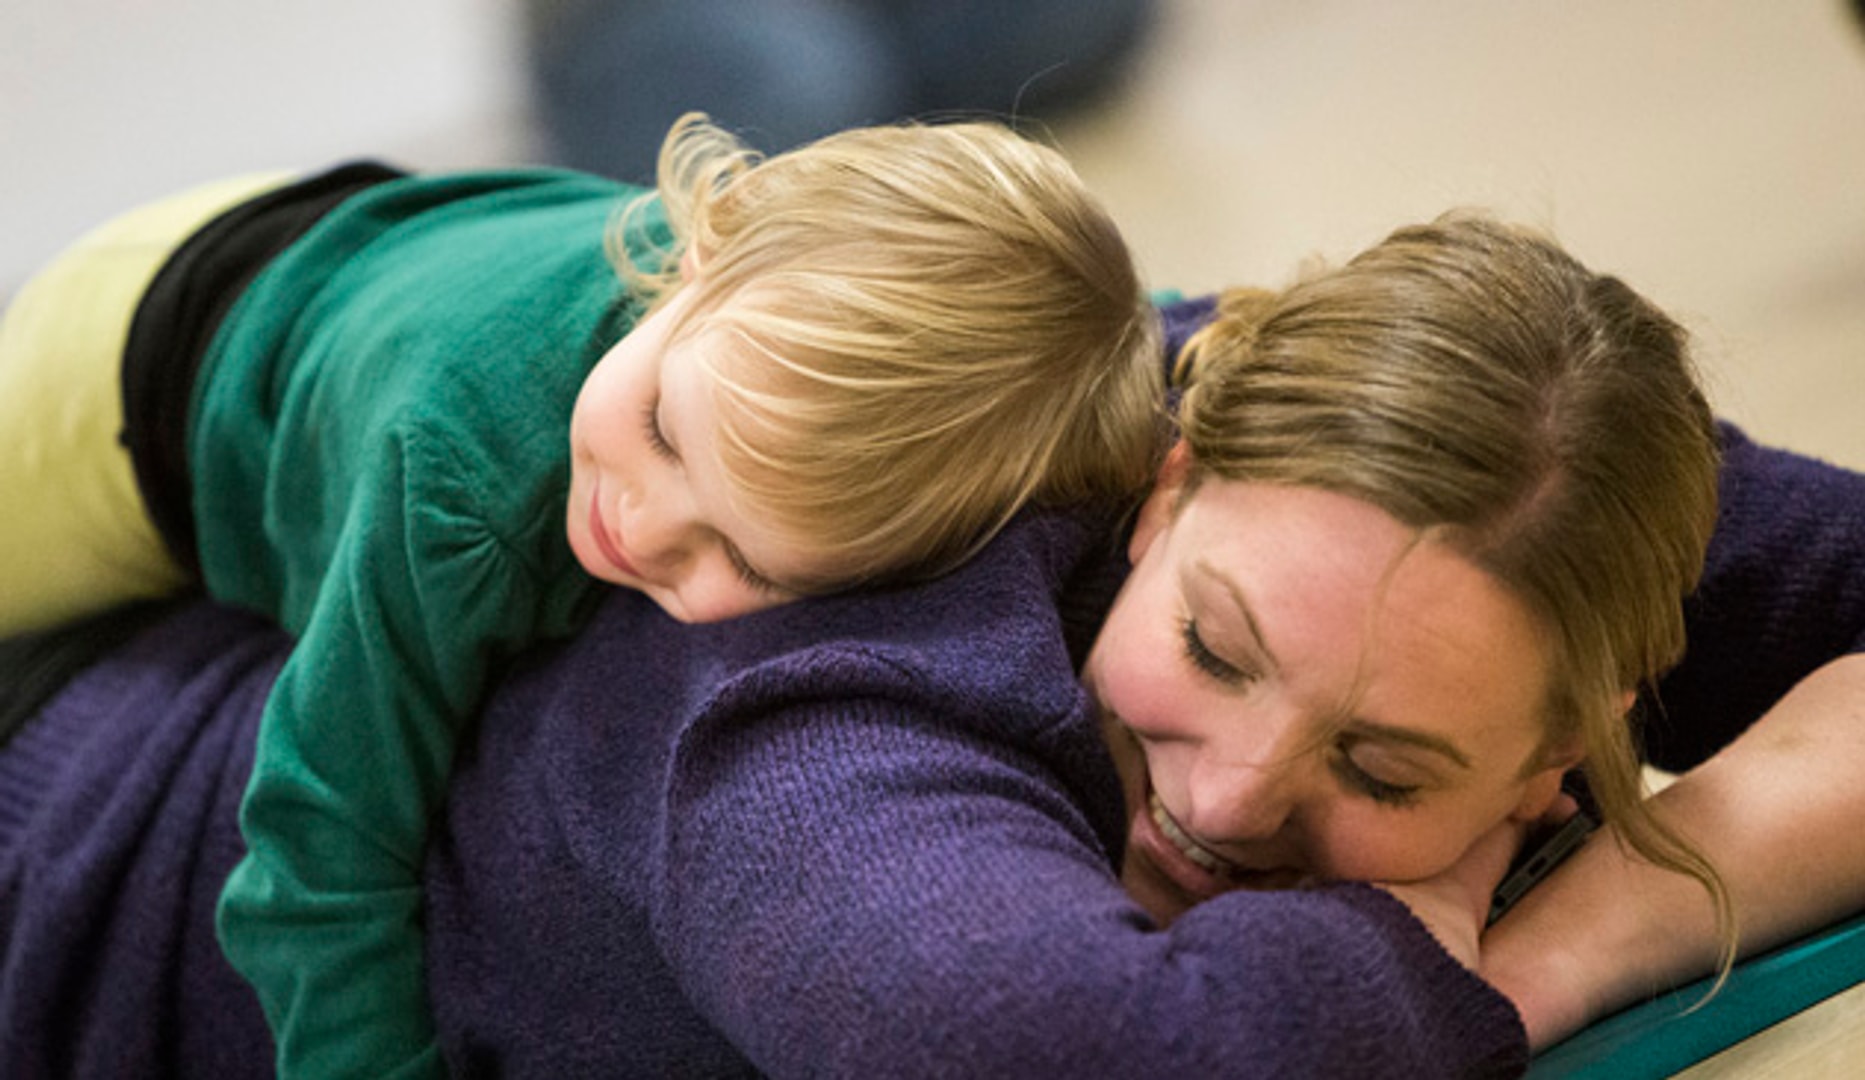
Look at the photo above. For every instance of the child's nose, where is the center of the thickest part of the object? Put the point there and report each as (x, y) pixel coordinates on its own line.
(663, 532)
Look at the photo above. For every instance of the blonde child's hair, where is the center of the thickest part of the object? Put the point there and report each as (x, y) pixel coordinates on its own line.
(939, 326)
(1480, 385)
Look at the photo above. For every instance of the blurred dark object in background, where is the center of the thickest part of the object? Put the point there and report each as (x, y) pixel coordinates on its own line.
(610, 76)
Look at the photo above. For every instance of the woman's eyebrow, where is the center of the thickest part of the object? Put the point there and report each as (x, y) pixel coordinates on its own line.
(1423, 740)
(1235, 591)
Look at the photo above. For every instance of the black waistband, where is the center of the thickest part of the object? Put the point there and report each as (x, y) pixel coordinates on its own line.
(35, 667)
(178, 316)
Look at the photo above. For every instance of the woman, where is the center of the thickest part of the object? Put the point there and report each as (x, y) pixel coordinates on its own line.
(1574, 422)
(876, 834)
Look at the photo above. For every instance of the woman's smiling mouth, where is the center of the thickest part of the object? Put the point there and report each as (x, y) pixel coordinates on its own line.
(1211, 863)
(1193, 867)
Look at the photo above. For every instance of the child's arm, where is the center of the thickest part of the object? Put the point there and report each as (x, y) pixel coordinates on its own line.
(356, 743)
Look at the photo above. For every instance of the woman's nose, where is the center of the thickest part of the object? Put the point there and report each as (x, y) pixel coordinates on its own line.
(1242, 799)
(1251, 772)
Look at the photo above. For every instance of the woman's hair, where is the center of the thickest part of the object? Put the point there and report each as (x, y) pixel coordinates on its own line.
(1483, 387)
(937, 325)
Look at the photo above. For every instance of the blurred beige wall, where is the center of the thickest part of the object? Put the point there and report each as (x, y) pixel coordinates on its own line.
(1712, 152)
(104, 103)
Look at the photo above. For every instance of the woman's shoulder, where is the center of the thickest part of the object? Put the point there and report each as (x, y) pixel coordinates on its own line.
(1782, 593)
(996, 638)
(985, 650)
(1786, 513)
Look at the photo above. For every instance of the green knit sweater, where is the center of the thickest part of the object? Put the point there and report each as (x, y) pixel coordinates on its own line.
(379, 450)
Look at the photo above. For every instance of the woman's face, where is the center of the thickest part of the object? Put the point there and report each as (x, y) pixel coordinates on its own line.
(1295, 687)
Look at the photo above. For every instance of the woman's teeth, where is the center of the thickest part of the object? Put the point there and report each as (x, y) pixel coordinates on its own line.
(1188, 847)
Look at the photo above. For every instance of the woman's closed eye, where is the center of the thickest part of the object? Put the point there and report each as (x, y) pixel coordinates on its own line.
(1357, 778)
(1204, 659)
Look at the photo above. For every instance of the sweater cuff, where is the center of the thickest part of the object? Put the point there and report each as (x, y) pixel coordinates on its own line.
(1474, 1013)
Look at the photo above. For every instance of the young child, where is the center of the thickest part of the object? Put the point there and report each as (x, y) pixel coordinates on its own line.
(345, 402)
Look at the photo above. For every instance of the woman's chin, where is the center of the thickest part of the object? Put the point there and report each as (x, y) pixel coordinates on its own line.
(1158, 895)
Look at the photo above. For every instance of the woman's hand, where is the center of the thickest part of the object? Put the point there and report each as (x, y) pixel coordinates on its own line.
(1777, 811)
(1454, 905)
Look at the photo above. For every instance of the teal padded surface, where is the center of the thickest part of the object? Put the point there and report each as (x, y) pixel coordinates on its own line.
(1656, 1039)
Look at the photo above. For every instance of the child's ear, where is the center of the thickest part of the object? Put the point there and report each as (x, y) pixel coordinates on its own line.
(689, 263)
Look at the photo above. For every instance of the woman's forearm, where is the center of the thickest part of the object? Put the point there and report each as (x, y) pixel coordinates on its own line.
(1779, 812)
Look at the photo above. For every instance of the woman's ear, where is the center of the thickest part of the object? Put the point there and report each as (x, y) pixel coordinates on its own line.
(689, 263)
(1156, 512)
(1544, 785)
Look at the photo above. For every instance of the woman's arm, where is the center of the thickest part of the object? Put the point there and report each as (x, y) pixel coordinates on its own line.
(1778, 811)
(914, 901)
(119, 828)
(1765, 722)
(873, 836)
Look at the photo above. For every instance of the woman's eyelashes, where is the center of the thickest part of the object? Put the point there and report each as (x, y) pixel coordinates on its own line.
(1380, 791)
(651, 428)
(1209, 662)
(1358, 777)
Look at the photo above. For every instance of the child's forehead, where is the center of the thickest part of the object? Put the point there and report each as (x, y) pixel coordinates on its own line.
(773, 291)
(756, 324)
(729, 351)
(707, 305)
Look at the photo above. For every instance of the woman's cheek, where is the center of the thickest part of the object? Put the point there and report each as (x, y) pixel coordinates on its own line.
(1147, 696)
(1143, 680)
(1400, 845)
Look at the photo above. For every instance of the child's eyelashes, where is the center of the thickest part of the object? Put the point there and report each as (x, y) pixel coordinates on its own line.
(748, 574)
(657, 441)
(651, 427)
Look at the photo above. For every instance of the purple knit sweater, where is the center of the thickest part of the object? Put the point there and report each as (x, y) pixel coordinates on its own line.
(859, 837)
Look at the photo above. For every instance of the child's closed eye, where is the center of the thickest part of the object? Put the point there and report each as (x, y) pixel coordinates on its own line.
(651, 428)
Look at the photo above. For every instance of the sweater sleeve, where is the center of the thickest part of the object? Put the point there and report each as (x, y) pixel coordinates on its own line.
(848, 889)
(1783, 593)
(355, 745)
